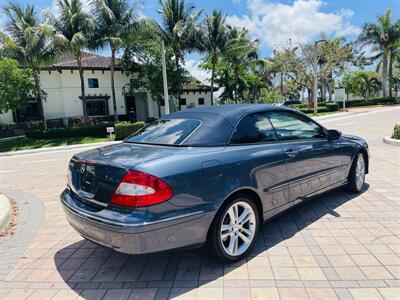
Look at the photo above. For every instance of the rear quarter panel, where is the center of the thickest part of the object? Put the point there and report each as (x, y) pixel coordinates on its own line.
(202, 178)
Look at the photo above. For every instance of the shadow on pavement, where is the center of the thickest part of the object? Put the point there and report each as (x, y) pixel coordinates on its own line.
(91, 270)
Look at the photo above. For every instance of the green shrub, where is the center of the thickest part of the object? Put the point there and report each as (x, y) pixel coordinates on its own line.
(370, 101)
(125, 129)
(92, 131)
(55, 123)
(321, 109)
(332, 106)
(396, 132)
(33, 125)
(7, 130)
(299, 106)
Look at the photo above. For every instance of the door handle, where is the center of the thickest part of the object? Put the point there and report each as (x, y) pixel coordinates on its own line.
(291, 153)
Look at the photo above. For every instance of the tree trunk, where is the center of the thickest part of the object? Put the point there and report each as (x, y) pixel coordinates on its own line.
(236, 86)
(315, 93)
(39, 95)
(390, 74)
(180, 78)
(212, 83)
(112, 85)
(83, 97)
(385, 73)
(281, 83)
(330, 94)
(159, 107)
(323, 90)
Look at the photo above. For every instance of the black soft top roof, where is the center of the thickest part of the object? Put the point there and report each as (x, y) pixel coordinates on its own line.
(218, 122)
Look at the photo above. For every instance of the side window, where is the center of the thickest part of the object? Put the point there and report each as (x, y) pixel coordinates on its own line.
(290, 126)
(182, 101)
(93, 83)
(255, 128)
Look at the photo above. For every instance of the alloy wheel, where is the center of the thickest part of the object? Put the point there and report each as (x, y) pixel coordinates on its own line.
(360, 172)
(238, 228)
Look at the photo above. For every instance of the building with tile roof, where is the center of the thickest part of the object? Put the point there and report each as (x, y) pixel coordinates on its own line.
(61, 84)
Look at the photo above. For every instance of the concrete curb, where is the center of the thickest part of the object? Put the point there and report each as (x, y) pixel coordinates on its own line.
(390, 141)
(50, 149)
(30, 216)
(5, 211)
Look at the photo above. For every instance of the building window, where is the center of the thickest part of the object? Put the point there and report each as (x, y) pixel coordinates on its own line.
(96, 107)
(201, 101)
(162, 102)
(182, 101)
(93, 83)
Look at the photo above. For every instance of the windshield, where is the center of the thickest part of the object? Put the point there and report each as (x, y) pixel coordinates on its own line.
(165, 132)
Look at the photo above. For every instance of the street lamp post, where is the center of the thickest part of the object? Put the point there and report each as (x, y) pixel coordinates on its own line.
(315, 77)
(165, 83)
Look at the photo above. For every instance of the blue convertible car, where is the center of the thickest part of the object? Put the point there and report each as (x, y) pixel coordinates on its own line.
(209, 174)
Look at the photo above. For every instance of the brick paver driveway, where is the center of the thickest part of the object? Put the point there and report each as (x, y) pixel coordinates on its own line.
(338, 246)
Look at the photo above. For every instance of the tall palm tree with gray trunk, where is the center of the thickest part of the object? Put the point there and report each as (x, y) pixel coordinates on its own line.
(33, 43)
(179, 30)
(214, 41)
(115, 20)
(380, 37)
(75, 25)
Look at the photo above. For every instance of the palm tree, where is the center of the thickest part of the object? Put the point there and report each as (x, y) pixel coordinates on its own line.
(240, 53)
(179, 30)
(75, 26)
(32, 43)
(394, 61)
(214, 42)
(367, 83)
(381, 37)
(115, 20)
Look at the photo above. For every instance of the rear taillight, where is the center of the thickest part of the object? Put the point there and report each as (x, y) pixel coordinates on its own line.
(138, 189)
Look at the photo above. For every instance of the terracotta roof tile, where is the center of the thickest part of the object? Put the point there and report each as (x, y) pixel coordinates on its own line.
(89, 61)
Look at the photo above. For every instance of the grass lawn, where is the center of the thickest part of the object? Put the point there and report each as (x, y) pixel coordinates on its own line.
(29, 143)
(323, 113)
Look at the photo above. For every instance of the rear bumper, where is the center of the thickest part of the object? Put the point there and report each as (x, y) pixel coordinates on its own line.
(129, 235)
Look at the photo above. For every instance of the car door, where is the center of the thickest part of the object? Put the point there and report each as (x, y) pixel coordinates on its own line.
(255, 138)
(313, 163)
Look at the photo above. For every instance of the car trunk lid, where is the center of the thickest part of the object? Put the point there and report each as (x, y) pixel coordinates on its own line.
(95, 174)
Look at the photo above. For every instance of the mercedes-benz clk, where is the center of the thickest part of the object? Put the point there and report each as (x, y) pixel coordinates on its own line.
(207, 175)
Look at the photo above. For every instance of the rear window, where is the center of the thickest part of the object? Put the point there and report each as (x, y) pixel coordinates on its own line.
(165, 132)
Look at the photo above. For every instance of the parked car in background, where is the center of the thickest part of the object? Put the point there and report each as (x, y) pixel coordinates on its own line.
(291, 102)
(208, 174)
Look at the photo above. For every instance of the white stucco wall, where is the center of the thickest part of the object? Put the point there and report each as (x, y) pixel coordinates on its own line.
(191, 98)
(6, 118)
(63, 91)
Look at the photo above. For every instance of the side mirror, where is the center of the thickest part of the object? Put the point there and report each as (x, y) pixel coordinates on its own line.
(333, 134)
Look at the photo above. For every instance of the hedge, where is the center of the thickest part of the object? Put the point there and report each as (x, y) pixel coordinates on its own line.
(396, 132)
(321, 109)
(125, 129)
(93, 131)
(370, 101)
(299, 106)
(332, 106)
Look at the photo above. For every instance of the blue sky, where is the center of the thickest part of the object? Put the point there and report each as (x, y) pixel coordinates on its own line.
(274, 22)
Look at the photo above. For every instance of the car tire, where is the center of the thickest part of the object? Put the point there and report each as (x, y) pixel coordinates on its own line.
(230, 239)
(356, 177)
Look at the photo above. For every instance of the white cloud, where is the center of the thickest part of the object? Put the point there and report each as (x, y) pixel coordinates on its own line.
(193, 66)
(236, 2)
(54, 6)
(275, 23)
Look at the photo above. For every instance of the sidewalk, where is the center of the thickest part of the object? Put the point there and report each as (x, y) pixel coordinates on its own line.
(58, 148)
